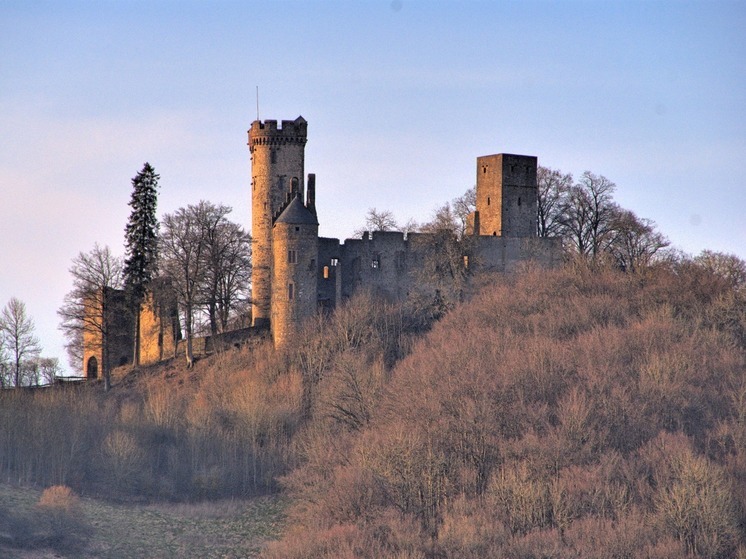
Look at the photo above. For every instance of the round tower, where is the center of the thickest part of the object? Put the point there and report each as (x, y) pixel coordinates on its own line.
(294, 270)
(277, 164)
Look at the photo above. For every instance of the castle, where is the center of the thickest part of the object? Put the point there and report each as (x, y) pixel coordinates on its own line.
(295, 272)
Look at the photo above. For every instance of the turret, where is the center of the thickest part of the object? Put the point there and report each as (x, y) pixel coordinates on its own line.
(277, 166)
(294, 270)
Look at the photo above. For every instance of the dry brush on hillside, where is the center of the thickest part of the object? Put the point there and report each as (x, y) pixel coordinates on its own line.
(572, 413)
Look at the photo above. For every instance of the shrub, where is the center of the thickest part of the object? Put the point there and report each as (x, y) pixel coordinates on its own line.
(60, 522)
(698, 508)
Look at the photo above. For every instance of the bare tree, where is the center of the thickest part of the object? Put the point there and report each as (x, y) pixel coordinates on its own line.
(634, 241)
(85, 308)
(587, 215)
(727, 266)
(553, 187)
(183, 261)
(17, 331)
(5, 368)
(462, 207)
(227, 264)
(445, 250)
(41, 371)
(378, 220)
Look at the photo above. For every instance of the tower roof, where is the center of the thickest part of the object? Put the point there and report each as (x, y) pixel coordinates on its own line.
(297, 214)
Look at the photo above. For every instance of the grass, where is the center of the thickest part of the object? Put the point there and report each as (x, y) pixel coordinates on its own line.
(222, 529)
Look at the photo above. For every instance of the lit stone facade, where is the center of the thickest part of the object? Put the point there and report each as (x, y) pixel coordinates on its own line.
(277, 160)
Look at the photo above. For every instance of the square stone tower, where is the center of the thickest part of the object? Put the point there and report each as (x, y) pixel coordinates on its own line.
(506, 196)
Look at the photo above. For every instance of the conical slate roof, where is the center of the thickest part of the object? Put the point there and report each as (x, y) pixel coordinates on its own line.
(297, 214)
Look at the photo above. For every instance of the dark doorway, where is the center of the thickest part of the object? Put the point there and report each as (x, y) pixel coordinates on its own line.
(92, 368)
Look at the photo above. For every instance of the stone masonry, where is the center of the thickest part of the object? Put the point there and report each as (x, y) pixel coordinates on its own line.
(295, 272)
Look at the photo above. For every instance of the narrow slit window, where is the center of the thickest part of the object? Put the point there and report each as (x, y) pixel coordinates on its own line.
(292, 257)
(519, 200)
(291, 291)
(326, 272)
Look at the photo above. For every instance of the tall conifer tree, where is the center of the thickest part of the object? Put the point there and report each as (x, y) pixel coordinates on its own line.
(141, 244)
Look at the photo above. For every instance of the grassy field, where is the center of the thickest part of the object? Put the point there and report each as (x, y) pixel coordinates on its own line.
(223, 529)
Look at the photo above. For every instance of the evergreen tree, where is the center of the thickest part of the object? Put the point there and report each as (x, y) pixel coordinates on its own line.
(141, 243)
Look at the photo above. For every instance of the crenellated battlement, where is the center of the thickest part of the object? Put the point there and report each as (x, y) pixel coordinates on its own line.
(290, 132)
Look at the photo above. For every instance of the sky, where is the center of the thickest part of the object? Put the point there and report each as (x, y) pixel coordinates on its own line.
(400, 96)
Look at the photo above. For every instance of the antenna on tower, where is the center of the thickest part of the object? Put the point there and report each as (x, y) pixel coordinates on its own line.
(257, 102)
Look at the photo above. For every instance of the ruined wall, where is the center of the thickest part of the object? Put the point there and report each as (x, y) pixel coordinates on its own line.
(107, 332)
(159, 331)
(379, 262)
(505, 254)
(329, 273)
(277, 166)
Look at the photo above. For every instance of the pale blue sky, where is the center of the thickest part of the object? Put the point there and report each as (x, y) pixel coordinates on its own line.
(401, 97)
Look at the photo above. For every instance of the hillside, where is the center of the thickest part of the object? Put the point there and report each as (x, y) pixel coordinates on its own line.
(573, 413)
(568, 413)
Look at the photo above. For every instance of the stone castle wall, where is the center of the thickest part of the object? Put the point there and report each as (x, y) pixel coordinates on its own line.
(295, 272)
(106, 320)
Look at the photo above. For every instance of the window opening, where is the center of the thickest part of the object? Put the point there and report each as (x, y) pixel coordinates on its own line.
(326, 272)
(291, 291)
(292, 257)
(488, 200)
(519, 200)
(466, 261)
(335, 261)
(297, 228)
(273, 156)
(375, 264)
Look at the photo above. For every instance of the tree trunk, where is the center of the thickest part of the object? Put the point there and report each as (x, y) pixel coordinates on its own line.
(213, 318)
(136, 344)
(188, 326)
(105, 367)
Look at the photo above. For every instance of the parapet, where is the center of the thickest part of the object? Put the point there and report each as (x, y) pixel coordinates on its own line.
(267, 132)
